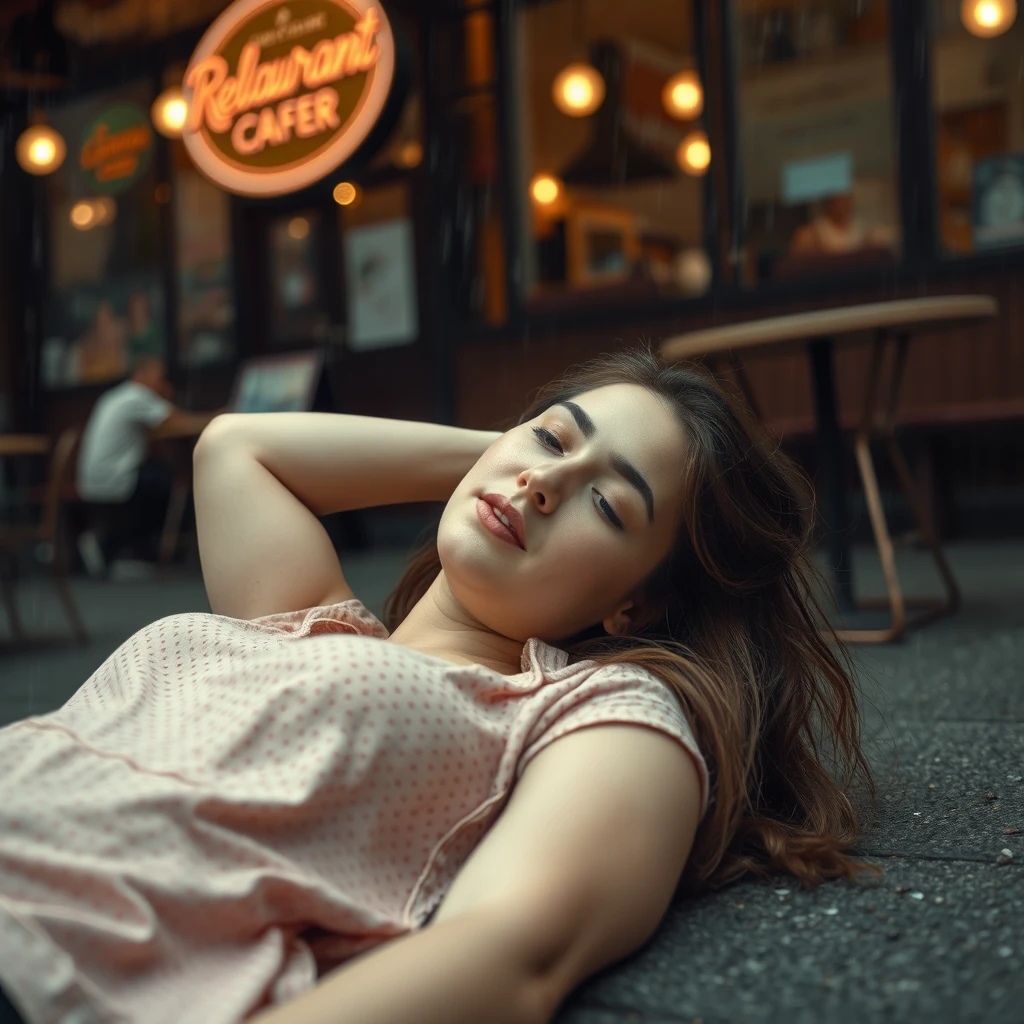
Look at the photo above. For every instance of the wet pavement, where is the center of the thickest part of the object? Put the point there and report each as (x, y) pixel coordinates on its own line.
(939, 938)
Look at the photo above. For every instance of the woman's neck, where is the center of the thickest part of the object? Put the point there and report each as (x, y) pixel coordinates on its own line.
(439, 626)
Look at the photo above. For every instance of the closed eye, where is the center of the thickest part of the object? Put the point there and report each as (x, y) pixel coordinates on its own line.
(549, 440)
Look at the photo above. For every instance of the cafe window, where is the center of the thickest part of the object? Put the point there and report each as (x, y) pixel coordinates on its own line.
(816, 139)
(466, 166)
(613, 152)
(379, 266)
(106, 298)
(296, 291)
(978, 103)
(203, 263)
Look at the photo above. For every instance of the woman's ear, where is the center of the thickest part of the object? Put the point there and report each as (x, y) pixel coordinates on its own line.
(619, 623)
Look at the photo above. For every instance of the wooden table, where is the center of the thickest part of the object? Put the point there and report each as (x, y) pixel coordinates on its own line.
(24, 444)
(886, 326)
(12, 445)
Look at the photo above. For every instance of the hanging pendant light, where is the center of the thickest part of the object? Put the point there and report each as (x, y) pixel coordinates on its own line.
(683, 96)
(40, 149)
(545, 189)
(578, 89)
(988, 18)
(694, 153)
(169, 112)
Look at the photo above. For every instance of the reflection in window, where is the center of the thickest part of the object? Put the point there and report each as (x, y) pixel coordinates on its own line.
(106, 294)
(613, 149)
(978, 97)
(206, 305)
(816, 138)
(296, 302)
(473, 236)
(379, 268)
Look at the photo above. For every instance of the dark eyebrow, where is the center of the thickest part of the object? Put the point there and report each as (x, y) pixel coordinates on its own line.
(621, 466)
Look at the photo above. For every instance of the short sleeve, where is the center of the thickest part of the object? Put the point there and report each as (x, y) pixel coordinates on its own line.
(148, 408)
(619, 694)
(350, 616)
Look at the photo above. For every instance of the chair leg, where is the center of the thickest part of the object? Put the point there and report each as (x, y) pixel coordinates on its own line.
(171, 532)
(10, 600)
(67, 599)
(886, 551)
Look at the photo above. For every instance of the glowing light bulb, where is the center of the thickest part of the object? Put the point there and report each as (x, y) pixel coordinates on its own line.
(345, 193)
(298, 227)
(83, 215)
(694, 153)
(683, 96)
(169, 112)
(988, 18)
(545, 189)
(40, 149)
(578, 90)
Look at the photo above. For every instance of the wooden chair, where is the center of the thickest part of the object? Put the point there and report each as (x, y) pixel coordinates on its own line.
(46, 530)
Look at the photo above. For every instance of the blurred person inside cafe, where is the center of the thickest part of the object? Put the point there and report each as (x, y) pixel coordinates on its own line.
(114, 470)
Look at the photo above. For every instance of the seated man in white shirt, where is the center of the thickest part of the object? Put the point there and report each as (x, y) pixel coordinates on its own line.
(112, 464)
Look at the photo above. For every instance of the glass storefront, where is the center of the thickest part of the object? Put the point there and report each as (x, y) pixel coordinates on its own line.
(816, 140)
(613, 151)
(978, 122)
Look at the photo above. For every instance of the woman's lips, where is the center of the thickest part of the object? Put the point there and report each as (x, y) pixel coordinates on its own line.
(492, 523)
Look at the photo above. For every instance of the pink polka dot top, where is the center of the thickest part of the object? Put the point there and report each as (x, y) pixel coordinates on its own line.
(227, 809)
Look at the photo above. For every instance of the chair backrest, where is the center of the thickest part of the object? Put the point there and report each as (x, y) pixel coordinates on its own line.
(62, 461)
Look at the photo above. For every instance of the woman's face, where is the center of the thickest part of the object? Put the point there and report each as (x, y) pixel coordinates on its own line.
(598, 485)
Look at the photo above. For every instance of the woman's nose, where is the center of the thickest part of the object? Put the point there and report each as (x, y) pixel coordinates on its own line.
(545, 485)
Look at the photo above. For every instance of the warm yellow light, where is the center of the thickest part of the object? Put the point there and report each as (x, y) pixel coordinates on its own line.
(345, 193)
(578, 90)
(545, 189)
(169, 112)
(987, 18)
(410, 154)
(683, 96)
(83, 215)
(298, 227)
(40, 149)
(105, 209)
(694, 153)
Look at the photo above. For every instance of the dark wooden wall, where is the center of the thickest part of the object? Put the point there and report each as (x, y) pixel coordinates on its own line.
(956, 376)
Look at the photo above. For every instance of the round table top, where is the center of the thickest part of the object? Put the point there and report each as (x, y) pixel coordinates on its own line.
(24, 444)
(934, 313)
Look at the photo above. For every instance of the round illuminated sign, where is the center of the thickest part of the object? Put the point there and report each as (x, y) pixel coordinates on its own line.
(280, 93)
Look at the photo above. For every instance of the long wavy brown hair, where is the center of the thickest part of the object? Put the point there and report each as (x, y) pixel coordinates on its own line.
(731, 623)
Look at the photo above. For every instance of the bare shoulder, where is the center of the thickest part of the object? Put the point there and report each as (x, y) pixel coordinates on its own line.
(588, 852)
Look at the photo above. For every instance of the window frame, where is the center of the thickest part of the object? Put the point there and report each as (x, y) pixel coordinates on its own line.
(921, 255)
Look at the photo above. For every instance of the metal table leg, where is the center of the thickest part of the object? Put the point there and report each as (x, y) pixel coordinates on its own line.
(834, 507)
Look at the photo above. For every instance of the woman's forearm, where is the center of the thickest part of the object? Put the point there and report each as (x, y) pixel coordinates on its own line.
(463, 971)
(333, 462)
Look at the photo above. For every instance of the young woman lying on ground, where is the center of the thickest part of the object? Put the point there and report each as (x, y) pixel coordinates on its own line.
(605, 682)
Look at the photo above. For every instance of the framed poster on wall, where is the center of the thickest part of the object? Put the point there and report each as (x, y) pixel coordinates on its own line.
(380, 279)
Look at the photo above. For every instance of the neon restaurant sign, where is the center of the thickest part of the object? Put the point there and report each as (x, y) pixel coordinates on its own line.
(280, 93)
